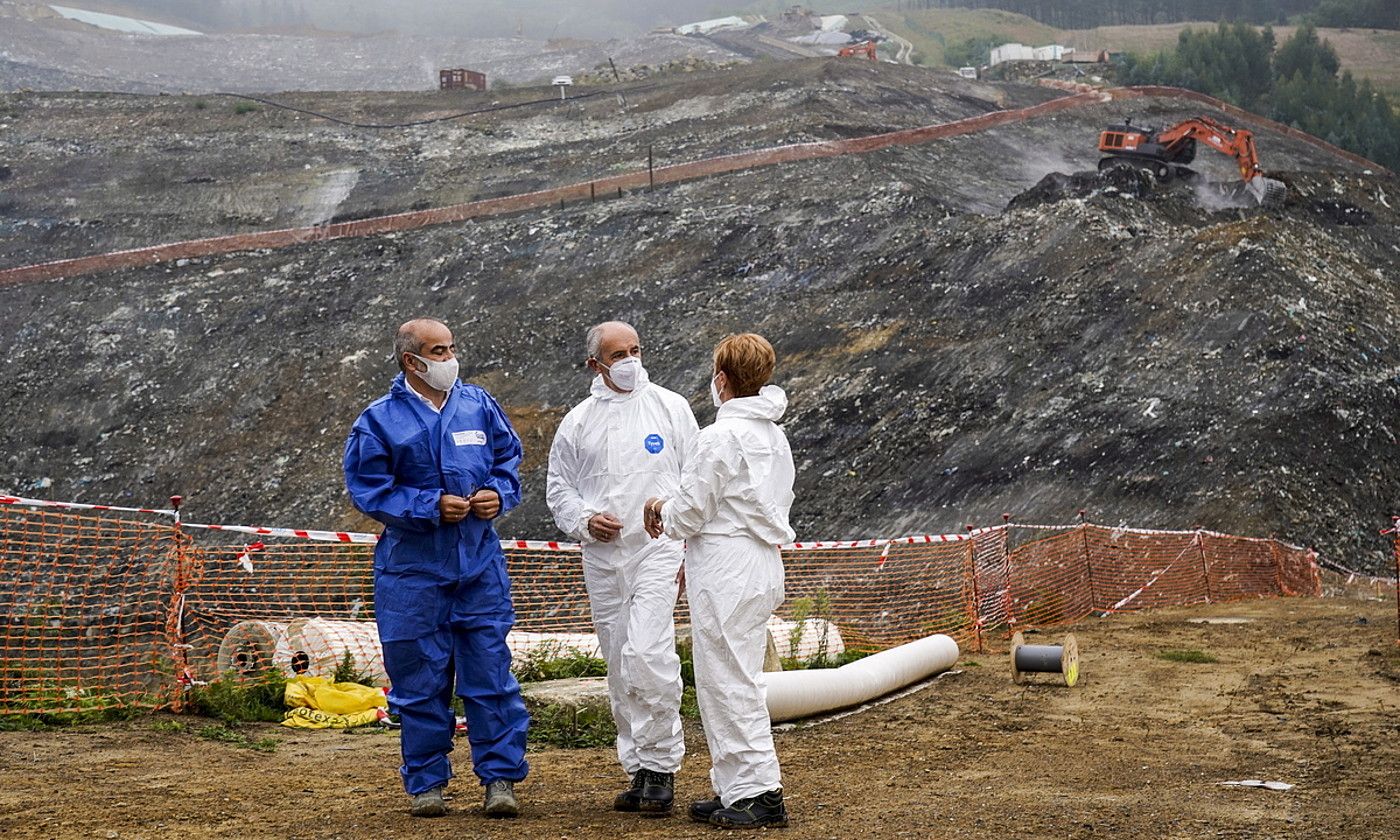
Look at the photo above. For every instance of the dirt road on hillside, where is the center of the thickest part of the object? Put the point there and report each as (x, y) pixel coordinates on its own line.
(1305, 692)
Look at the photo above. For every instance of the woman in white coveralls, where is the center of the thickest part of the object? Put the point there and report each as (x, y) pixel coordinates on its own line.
(732, 510)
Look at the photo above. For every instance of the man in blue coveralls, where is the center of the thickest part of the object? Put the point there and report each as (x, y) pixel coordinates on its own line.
(435, 460)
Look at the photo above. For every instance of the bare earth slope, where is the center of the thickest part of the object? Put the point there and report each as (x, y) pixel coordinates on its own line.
(947, 359)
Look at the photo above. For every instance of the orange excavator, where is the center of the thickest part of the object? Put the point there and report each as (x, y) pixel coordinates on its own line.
(868, 48)
(1166, 153)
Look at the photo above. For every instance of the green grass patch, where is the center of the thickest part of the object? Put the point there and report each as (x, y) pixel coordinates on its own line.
(39, 701)
(557, 662)
(235, 699)
(168, 727)
(1189, 655)
(244, 108)
(228, 735)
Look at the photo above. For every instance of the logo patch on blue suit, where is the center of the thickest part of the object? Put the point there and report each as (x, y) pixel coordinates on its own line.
(654, 444)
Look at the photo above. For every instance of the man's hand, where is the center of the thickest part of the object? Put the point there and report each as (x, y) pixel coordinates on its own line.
(485, 504)
(651, 516)
(604, 527)
(452, 509)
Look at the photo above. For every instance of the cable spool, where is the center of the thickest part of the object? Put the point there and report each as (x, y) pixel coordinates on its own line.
(251, 647)
(318, 646)
(1044, 659)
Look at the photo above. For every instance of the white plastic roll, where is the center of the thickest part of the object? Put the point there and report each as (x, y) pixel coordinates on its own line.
(799, 694)
(251, 647)
(326, 642)
(817, 636)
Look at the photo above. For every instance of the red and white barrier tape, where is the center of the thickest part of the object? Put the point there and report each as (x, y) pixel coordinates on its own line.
(45, 503)
(294, 533)
(358, 538)
(919, 539)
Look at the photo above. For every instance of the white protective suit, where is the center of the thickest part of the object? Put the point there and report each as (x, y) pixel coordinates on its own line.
(613, 452)
(732, 510)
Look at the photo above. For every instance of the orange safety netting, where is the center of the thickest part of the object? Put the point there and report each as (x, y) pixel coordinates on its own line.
(86, 623)
(103, 612)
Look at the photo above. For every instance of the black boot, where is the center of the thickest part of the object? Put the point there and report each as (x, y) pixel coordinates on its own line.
(658, 792)
(631, 799)
(763, 811)
(702, 810)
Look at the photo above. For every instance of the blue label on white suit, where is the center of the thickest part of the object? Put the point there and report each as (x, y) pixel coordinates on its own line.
(655, 444)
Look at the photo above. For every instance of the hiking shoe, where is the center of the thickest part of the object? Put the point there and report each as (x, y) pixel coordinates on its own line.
(429, 803)
(763, 811)
(631, 799)
(500, 799)
(702, 810)
(658, 793)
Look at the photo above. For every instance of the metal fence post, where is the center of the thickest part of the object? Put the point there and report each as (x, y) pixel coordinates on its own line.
(976, 594)
(1205, 567)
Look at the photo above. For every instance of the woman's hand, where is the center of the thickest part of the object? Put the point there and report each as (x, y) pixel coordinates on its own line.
(651, 516)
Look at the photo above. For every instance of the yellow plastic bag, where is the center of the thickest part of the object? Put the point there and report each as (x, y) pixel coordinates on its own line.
(318, 703)
(304, 718)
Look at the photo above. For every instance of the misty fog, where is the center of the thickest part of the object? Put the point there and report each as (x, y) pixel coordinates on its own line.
(535, 19)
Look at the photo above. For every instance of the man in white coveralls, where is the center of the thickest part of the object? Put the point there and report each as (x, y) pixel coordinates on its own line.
(624, 443)
(732, 510)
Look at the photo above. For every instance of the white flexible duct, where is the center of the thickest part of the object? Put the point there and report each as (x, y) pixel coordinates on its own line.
(799, 694)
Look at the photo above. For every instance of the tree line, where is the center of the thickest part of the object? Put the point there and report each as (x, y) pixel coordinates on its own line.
(1087, 14)
(1296, 83)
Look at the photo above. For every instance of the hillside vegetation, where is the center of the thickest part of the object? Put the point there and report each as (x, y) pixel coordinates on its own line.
(1367, 54)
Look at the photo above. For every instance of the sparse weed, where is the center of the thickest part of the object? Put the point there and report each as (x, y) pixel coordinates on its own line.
(244, 108)
(169, 727)
(346, 672)
(573, 728)
(225, 735)
(557, 662)
(237, 699)
(1191, 655)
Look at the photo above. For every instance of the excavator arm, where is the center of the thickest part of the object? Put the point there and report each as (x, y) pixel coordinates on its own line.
(1238, 143)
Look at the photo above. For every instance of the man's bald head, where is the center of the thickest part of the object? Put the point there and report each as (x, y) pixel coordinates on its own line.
(427, 337)
(602, 336)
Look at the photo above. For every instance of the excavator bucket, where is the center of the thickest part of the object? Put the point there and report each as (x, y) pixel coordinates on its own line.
(1266, 191)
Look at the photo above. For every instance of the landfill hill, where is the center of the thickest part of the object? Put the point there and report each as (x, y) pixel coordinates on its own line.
(960, 336)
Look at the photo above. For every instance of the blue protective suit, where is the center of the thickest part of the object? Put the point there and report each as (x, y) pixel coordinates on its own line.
(441, 594)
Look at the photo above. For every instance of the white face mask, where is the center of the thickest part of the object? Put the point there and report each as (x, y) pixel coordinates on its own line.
(440, 376)
(626, 374)
(714, 392)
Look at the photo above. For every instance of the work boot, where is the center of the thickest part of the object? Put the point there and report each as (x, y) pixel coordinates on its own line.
(500, 799)
(702, 810)
(631, 799)
(763, 811)
(429, 803)
(658, 793)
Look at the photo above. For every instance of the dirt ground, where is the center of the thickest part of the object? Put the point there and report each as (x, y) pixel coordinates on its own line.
(1305, 691)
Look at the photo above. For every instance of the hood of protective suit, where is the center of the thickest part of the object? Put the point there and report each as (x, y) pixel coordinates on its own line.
(768, 404)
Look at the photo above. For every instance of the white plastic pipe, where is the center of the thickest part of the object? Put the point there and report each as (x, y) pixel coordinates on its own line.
(799, 694)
